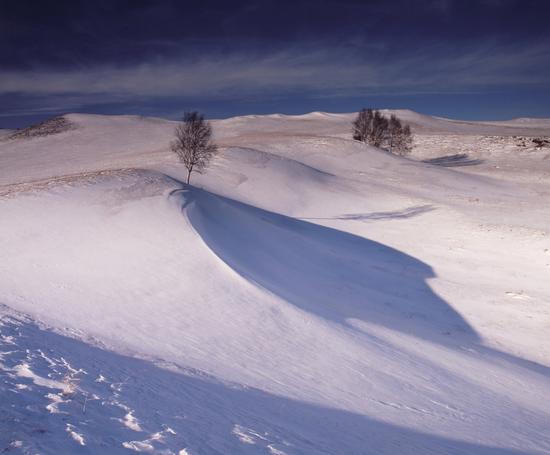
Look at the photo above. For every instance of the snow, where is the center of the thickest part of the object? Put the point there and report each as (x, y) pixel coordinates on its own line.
(307, 294)
(23, 370)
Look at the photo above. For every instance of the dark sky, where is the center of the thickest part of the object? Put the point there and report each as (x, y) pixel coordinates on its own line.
(484, 59)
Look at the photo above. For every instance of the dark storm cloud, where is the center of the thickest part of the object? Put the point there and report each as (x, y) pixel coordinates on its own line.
(73, 33)
(141, 55)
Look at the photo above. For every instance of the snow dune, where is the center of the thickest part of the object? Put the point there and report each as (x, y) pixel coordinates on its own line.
(336, 275)
(306, 295)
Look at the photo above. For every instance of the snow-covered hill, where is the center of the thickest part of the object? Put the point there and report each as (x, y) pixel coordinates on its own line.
(307, 294)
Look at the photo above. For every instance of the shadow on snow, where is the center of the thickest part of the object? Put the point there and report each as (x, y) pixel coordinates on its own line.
(174, 409)
(404, 214)
(333, 274)
(457, 160)
(327, 272)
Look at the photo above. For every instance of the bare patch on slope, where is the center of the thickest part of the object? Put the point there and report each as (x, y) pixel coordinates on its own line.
(54, 125)
(143, 178)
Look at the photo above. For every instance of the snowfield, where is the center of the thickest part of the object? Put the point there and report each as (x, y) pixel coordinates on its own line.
(306, 295)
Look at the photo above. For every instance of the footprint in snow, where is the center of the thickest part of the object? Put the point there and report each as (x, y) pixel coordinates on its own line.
(250, 436)
(71, 429)
(518, 295)
(148, 444)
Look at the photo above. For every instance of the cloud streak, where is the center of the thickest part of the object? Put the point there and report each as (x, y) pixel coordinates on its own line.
(327, 72)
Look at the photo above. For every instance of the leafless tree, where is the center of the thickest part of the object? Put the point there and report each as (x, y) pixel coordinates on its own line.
(362, 125)
(394, 129)
(373, 128)
(379, 131)
(404, 142)
(370, 127)
(193, 143)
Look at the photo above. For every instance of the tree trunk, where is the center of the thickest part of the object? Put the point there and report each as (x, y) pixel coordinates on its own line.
(188, 175)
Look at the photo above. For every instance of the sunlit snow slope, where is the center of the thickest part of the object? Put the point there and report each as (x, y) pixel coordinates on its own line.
(307, 295)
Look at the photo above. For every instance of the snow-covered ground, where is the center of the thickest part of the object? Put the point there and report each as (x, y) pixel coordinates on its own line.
(308, 294)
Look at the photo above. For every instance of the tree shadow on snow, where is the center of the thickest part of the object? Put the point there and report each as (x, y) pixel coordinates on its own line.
(409, 212)
(457, 160)
(333, 274)
(120, 403)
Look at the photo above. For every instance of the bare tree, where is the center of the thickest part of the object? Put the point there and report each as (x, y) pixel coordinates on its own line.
(404, 141)
(394, 131)
(362, 125)
(379, 131)
(193, 143)
(374, 129)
